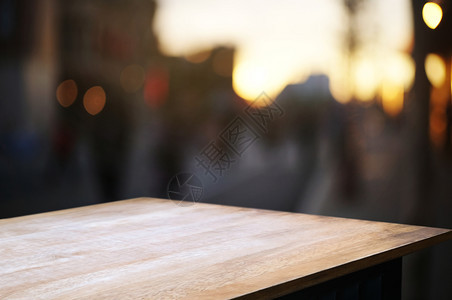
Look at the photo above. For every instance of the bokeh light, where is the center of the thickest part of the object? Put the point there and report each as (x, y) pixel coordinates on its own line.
(255, 73)
(392, 95)
(340, 83)
(398, 76)
(66, 92)
(451, 85)
(132, 78)
(303, 39)
(371, 74)
(94, 100)
(156, 87)
(435, 68)
(249, 81)
(432, 14)
(365, 80)
(399, 68)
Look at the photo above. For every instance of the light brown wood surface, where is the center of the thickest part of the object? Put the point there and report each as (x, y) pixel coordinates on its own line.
(154, 249)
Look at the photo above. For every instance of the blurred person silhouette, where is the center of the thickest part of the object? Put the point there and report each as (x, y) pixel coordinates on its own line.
(317, 126)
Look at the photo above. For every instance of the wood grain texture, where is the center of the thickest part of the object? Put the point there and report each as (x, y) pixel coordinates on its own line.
(153, 249)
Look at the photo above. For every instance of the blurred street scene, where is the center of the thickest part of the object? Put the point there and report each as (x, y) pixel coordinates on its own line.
(338, 108)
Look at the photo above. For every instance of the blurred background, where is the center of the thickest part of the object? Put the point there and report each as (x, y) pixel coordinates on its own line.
(106, 100)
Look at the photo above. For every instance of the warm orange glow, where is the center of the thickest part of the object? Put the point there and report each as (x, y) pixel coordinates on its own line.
(365, 81)
(304, 38)
(392, 98)
(340, 84)
(438, 120)
(94, 100)
(156, 87)
(399, 68)
(256, 73)
(435, 68)
(249, 81)
(132, 78)
(439, 97)
(451, 81)
(340, 90)
(66, 92)
(438, 126)
(432, 14)
(369, 74)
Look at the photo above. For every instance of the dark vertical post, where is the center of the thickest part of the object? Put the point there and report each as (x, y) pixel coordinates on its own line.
(416, 209)
(417, 122)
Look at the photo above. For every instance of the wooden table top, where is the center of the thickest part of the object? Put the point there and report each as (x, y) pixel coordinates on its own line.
(151, 249)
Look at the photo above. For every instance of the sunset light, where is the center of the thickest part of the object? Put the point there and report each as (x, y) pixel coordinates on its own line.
(302, 39)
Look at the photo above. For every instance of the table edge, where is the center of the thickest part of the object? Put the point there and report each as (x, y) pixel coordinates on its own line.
(347, 268)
